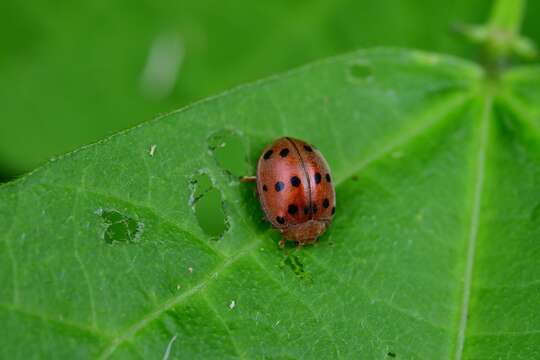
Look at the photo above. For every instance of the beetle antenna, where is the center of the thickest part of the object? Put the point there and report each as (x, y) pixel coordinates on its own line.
(247, 179)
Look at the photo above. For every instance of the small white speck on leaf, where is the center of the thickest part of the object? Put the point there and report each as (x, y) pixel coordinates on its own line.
(232, 305)
(152, 149)
(178, 286)
(190, 269)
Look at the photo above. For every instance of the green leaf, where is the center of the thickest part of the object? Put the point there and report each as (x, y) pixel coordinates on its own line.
(433, 254)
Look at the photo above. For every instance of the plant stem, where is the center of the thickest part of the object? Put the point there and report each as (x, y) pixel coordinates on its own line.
(507, 16)
(500, 36)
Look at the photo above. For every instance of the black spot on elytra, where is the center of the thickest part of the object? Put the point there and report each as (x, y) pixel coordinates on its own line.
(293, 209)
(283, 153)
(333, 210)
(318, 178)
(308, 148)
(280, 219)
(328, 178)
(268, 154)
(326, 203)
(295, 181)
(279, 186)
(265, 188)
(306, 210)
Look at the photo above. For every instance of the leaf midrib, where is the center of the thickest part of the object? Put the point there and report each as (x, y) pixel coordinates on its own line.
(478, 184)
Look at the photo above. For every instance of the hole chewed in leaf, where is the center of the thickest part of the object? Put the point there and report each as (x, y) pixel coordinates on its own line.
(207, 203)
(296, 265)
(120, 228)
(230, 151)
(360, 71)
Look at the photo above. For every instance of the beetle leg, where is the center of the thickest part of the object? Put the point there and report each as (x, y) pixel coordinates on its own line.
(246, 179)
(282, 243)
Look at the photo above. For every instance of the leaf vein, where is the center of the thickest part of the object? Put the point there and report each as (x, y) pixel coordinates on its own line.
(382, 301)
(7, 241)
(405, 136)
(286, 290)
(174, 301)
(149, 209)
(474, 224)
(31, 314)
(226, 327)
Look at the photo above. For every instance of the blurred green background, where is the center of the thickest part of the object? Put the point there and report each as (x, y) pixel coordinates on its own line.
(74, 72)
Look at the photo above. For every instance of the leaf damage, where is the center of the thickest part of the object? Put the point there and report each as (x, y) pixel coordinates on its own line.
(120, 228)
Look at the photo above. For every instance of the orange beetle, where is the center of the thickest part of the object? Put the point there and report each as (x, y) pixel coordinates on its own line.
(295, 190)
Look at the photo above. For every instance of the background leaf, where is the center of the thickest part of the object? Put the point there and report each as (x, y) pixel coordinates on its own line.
(433, 245)
(75, 73)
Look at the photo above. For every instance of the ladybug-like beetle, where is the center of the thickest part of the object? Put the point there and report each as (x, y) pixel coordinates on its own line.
(295, 190)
